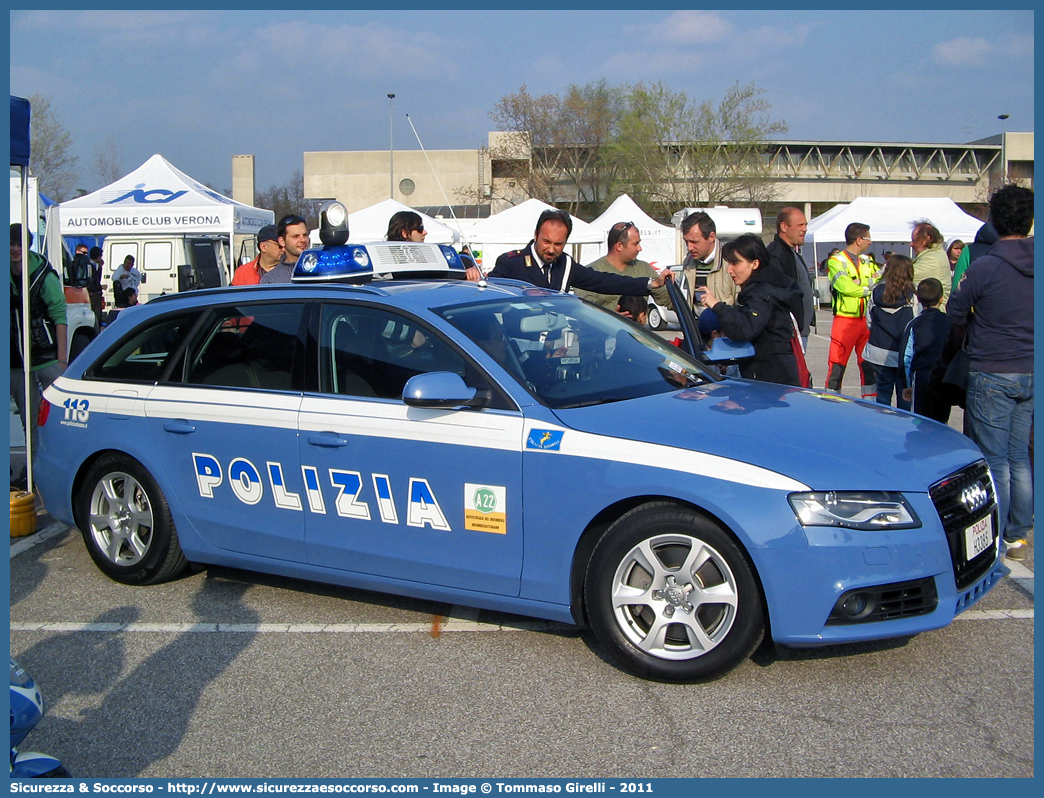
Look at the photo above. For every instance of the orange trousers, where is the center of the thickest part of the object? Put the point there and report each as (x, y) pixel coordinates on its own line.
(848, 334)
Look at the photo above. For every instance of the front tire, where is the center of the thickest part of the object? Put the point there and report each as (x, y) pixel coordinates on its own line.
(655, 320)
(126, 523)
(671, 596)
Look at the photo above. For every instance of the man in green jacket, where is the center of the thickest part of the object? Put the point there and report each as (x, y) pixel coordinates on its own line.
(48, 349)
(625, 242)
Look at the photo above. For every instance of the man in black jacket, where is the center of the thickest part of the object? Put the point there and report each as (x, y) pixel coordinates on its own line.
(791, 227)
(544, 263)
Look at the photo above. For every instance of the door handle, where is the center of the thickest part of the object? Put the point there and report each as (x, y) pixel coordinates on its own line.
(178, 426)
(329, 440)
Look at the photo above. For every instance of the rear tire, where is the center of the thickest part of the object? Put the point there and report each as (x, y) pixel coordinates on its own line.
(671, 596)
(126, 523)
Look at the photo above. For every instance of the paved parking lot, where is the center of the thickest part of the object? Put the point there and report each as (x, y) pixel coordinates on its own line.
(231, 674)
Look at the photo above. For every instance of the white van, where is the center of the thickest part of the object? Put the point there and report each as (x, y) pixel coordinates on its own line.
(168, 263)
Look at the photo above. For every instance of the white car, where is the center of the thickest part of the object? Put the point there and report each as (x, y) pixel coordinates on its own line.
(663, 318)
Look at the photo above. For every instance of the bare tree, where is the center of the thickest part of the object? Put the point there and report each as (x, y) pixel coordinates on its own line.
(559, 143)
(51, 159)
(288, 198)
(589, 119)
(662, 148)
(673, 152)
(528, 156)
(108, 166)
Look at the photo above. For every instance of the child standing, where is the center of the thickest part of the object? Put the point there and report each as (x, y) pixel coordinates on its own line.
(891, 309)
(922, 343)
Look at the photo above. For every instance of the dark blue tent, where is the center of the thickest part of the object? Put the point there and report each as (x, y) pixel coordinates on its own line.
(19, 131)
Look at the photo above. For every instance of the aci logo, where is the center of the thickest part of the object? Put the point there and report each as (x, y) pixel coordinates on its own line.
(545, 439)
(150, 196)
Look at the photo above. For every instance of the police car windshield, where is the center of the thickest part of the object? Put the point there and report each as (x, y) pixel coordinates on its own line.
(569, 353)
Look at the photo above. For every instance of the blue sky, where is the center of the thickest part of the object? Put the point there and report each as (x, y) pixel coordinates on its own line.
(201, 86)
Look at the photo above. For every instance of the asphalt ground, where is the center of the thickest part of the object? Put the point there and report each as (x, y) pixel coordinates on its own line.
(225, 673)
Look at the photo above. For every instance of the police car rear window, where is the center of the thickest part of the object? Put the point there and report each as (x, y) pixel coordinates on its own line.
(144, 355)
(247, 346)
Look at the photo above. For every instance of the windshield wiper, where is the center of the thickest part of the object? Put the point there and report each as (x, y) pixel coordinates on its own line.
(602, 400)
(683, 378)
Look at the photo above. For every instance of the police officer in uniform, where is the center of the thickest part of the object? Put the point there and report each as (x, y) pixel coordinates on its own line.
(543, 263)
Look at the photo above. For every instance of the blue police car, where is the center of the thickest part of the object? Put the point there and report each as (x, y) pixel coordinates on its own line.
(511, 448)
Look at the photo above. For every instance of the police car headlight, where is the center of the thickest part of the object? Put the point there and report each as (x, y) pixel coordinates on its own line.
(361, 256)
(333, 224)
(854, 509)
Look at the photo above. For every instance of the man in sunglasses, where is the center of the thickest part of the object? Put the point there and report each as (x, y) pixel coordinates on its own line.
(544, 263)
(625, 242)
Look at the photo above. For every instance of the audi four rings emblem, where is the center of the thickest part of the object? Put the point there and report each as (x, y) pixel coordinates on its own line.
(973, 497)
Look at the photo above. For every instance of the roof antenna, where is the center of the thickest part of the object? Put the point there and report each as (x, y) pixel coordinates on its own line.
(460, 230)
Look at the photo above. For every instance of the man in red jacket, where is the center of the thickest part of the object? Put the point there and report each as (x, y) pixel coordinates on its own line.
(267, 257)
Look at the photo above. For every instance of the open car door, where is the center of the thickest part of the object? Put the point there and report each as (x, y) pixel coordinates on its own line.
(722, 352)
(692, 341)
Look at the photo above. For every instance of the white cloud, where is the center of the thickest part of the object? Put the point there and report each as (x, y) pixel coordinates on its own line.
(685, 41)
(962, 51)
(635, 66)
(770, 37)
(692, 27)
(126, 30)
(371, 49)
(1021, 44)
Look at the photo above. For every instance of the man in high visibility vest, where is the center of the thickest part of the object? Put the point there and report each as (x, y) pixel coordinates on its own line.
(851, 273)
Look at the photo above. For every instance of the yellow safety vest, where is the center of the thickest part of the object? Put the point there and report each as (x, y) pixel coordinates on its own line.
(849, 284)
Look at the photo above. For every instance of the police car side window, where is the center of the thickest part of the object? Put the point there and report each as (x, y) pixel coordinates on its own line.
(371, 353)
(144, 355)
(247, 346)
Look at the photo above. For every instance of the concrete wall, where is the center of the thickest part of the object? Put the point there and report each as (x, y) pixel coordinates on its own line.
(360, 179)
(243, 191)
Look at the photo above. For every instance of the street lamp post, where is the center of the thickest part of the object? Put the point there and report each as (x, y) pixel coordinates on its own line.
(1004, 146)
(391, 146)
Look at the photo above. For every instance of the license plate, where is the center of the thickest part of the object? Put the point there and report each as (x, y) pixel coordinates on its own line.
(978, 537)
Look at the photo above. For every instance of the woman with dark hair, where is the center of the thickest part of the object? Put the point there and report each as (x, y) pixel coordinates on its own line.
(762, 312)
(406, 226)
(891, 309)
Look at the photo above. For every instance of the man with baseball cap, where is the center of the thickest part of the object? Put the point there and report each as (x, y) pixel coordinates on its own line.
(267, 257)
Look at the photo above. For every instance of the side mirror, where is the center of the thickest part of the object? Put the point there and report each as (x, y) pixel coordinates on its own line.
(440, 389)
(724, 351)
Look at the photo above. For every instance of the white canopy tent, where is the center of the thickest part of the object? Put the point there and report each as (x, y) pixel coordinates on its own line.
(157, 198)
(658, 240)
(891, 221)
(371, 224)
(514, 227)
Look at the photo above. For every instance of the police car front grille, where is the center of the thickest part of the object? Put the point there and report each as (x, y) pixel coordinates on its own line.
(407, 254)
(946, 495)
